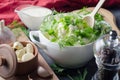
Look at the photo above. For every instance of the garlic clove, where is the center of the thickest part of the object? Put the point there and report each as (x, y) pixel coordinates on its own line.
(20, 52)
(43, 73)
(27, 57)
(29, 48)
(18, 45)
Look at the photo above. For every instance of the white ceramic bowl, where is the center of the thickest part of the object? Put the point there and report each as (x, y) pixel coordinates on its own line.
(70, 57)
(32, 16)
(73, 56)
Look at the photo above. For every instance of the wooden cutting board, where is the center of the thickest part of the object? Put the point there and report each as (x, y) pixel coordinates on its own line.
(22, 37)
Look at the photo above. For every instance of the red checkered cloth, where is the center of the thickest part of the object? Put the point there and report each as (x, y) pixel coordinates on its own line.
(7, 7)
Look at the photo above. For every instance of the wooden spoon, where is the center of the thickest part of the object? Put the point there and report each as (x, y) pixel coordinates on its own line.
(90, 17)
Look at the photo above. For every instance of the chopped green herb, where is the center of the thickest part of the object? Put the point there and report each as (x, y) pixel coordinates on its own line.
(69, 29)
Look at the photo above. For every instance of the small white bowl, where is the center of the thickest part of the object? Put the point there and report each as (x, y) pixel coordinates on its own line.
(32, 16)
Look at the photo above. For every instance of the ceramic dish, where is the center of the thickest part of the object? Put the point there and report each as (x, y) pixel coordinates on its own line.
(73, 56)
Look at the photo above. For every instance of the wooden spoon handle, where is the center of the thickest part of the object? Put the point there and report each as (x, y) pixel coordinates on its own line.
(97, 7)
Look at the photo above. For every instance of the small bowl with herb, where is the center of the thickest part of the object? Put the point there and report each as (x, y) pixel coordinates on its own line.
(68, 39)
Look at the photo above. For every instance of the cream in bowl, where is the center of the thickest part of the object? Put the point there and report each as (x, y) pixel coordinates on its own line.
(32, 16)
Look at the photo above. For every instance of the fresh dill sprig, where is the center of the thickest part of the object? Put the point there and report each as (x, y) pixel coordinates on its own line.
(61, 71)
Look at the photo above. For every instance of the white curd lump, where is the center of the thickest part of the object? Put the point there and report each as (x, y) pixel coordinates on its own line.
(36, 11)
(23, 53)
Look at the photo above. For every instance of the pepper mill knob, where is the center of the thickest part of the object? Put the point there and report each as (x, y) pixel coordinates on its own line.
(113, 34)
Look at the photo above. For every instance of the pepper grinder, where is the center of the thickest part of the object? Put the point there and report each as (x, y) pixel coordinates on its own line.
(107, 56)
